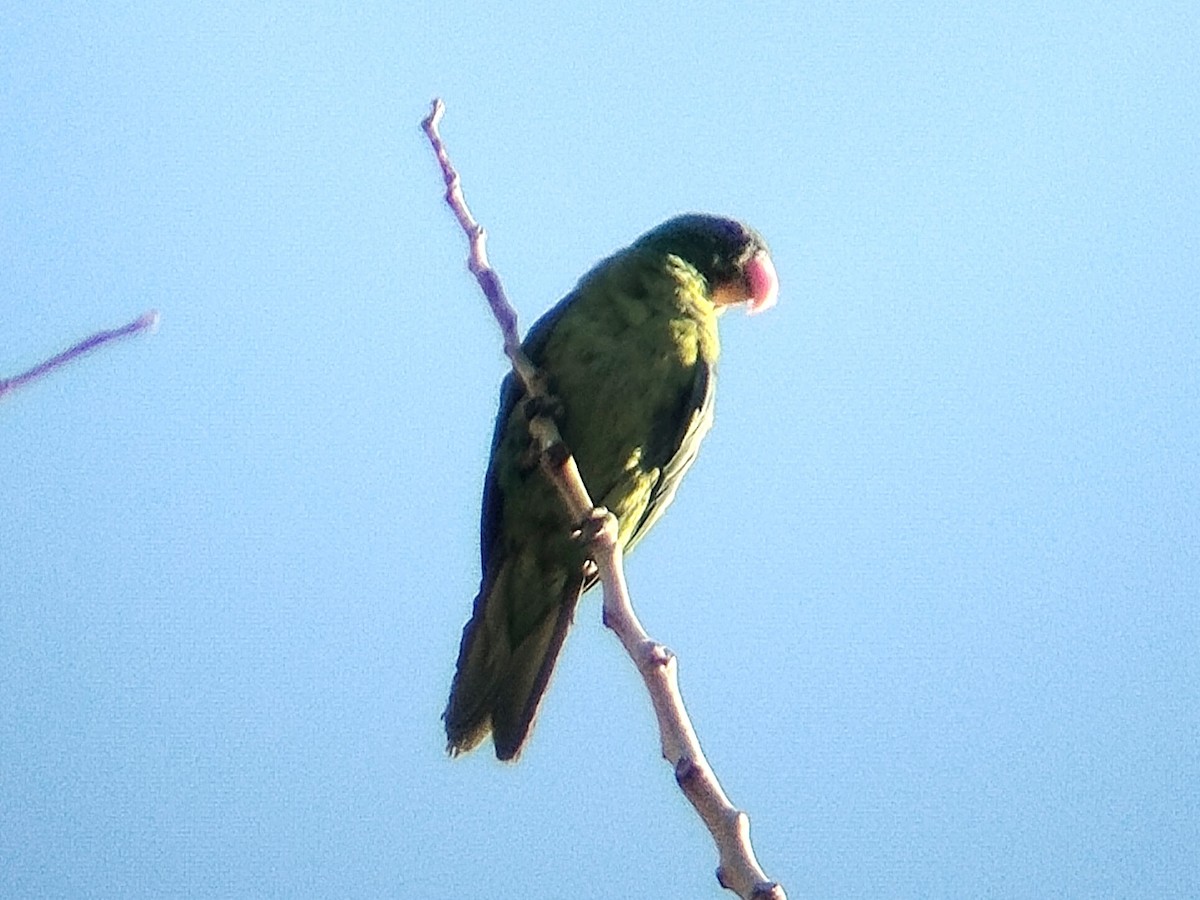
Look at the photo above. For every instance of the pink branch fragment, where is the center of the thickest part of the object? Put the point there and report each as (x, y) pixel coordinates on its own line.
(147, 321)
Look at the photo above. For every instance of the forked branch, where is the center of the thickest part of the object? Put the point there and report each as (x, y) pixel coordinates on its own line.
(738, 870)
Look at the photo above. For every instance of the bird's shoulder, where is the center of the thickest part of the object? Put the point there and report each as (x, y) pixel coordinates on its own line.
(630, 299)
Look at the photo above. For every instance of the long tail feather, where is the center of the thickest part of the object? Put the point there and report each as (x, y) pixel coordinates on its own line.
(498, 687)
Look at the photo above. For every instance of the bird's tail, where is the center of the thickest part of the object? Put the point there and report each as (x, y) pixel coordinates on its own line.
(507, 655)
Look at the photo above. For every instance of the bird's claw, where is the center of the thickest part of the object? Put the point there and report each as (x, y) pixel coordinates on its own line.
(593, 525)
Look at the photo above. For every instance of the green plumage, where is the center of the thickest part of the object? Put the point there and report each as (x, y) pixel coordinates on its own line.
(630, 355)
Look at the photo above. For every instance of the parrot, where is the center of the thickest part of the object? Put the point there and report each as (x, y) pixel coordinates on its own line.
(629, 355)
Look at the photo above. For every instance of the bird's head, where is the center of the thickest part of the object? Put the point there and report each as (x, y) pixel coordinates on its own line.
(732, 257)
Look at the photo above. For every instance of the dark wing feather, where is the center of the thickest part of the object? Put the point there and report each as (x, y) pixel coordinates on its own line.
(511, 392)
(675, 448)
(493, 501)
(511, 700)
(517, 700)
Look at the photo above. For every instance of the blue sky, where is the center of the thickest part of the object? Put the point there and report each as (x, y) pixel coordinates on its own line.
(933, 581)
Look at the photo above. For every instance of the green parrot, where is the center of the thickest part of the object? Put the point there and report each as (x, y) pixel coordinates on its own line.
(630, 354)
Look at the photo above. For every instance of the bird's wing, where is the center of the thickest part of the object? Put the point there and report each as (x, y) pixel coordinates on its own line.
(511, 391)
(674, 447)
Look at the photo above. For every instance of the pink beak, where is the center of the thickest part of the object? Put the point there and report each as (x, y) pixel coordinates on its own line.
(762, 282)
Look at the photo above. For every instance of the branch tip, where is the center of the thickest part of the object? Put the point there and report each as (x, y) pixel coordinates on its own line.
(436, 111)
(149, 321)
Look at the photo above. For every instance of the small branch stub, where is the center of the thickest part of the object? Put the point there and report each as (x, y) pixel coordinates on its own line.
(738, 869)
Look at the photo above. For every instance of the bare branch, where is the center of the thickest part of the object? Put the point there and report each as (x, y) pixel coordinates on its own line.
(738, 870)
(147, 321)
(477, 261)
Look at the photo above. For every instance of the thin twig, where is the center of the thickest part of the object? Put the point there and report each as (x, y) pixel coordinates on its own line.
(147, 321)
(738, 871)
(477, 261)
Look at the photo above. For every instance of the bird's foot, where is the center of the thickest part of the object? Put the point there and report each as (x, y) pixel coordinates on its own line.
(594, 524)
(544, 405)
